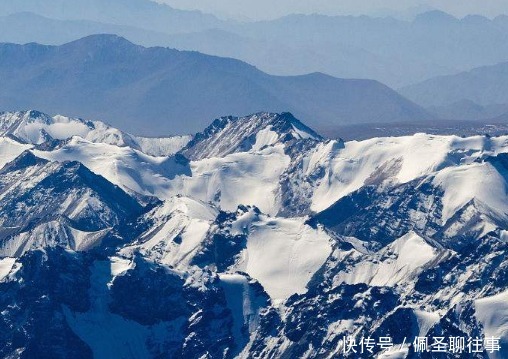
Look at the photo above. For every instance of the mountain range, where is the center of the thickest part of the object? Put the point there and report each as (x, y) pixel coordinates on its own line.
(49, 31)
(108, 78)
(395, 52)
(479, 93)
(392, 51)
(139, 13)
(256, 238)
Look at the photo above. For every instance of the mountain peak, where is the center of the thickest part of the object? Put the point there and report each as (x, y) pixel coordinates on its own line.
(9, 119)
(241, 134)
(101, 41)
(435, 15)
(24, 160)
(36, 128)
(162, 85)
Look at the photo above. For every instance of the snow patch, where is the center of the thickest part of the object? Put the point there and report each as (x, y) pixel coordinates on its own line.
(479, 181)
(398, 262)
(283, 255)
(162, 146)
(492, 313)
(8, 267)
(10, 149)
(396, 159)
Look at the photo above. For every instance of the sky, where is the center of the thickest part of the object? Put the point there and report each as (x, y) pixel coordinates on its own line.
(269, 9)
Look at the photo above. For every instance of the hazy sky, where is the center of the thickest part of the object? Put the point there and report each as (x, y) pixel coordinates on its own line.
(265, 9)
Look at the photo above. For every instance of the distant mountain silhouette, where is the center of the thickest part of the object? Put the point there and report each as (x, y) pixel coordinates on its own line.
(468, 110)
(48, 31)
(140, 13)
(501, 119)
(395, 52)
(485, 86)
(155, 91)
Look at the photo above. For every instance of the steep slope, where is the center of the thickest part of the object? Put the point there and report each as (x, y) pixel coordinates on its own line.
(108, 78)
(270, 161)
(389, 161)
(132, 170)
(10, 149)
(282, 254)
(87, 306)
(47, 204)
(228, 135)
(450, 207)
(184, 233)
(444, 297)
(258, 149)
(162, 146)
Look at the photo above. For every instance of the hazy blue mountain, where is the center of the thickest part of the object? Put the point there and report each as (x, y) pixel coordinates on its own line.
(141, 13)
(25, 27)
(468, 110)
(156, 91)
(487, 85)
(395, 52)
(489, 127)
(501, 118)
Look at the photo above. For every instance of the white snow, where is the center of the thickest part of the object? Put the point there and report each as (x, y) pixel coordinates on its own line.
(6, 267)
(492, 313)
(398, 262)
(61, 128)
(123, 166)
(85, 241)
(51, 234)
(155, 146)
(248, 178)
(265, 137)
(120, 265)
(479, 181)
(253, 177)
(397, 352)
(10, 149)
(283, 254)
(426, 321)
(35, 127)
(503, 235)
(183, 218)
(398, 159)
(242, 303)
(300, 134)
(110, 335)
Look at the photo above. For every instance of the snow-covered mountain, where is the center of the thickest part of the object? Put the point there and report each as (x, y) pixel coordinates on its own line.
(47, 204)
(37, 128)
(228, 135)
(254, 238)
